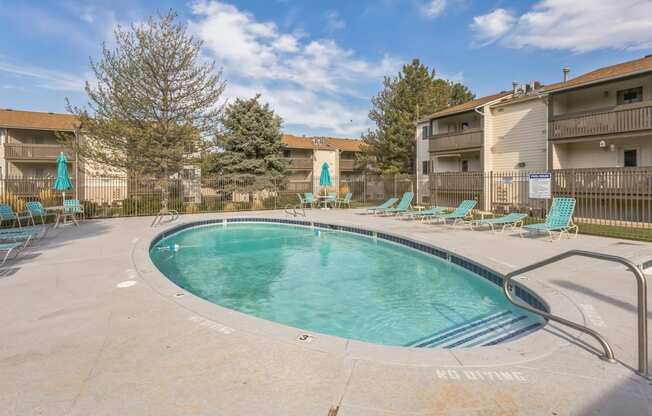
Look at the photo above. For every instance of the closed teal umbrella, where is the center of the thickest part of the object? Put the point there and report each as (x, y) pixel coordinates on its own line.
(62, 183)
(325, 178)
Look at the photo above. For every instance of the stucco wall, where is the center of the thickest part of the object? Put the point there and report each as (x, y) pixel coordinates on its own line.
(330, 157)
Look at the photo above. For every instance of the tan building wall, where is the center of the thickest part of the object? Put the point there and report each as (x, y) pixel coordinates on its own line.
(516, 133)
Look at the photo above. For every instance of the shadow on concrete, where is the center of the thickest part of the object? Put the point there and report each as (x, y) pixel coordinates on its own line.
(603, 297)
(632, 396)
(54, 238)
(8, 272)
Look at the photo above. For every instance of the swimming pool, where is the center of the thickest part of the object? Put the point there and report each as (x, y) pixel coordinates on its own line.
(341, 284)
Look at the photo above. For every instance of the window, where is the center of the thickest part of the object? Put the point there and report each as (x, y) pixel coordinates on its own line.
(425, 167)
(631, 95)
(465, 166)
(465, 126)
(630, 158)
(287, 153)
(424, 132)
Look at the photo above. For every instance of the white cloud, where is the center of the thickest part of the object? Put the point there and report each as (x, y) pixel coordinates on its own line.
(334, 22)
(580, 25)
(433, 8)
(302, 108)
(45, 78)
(258, 50)
(492, 26)
(309, 82)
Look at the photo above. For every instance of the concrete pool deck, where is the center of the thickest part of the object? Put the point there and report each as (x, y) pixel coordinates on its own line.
(77, 340)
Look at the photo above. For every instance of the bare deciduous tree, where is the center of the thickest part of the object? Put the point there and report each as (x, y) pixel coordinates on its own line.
(155, 102)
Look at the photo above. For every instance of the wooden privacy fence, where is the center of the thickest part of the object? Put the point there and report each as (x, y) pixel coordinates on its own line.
(611, 201)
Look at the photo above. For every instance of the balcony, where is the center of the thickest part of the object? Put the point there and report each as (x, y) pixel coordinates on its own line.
(295, 163)
(347, 165)
(36, 152)
(462, 140)
(631, 119)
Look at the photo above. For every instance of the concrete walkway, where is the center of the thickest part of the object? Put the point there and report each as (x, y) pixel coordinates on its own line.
(88, 326)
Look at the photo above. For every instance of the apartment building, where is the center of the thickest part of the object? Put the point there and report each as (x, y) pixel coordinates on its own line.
(601, 119)
(29, 146)
(306, 155)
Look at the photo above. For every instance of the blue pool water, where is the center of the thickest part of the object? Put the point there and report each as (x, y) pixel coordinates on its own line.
(335, 283)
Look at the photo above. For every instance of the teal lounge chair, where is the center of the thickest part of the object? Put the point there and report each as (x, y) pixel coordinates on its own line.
(36, 232)
(8, 248)
(403, 206)
(8, 214)
(24, 238)
(74, 208)
(461, 213)
(35, 210)
(559, 219)
(512, 220)
(345, 201)
(309, 198)
(384, 205)
(302, 201)
(410, 215)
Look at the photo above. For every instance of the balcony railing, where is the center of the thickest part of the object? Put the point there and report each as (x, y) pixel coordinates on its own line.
(44, 152)
(298, 163)
(467, 139)
(347, 165)
(602, 123)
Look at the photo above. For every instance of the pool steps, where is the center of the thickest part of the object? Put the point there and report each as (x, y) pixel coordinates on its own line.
(485, 331)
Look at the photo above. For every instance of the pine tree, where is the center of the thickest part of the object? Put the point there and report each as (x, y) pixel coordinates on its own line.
(416, 90)
(250, 146)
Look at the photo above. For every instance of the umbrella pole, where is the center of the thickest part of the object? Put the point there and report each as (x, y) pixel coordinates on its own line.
(63, 202)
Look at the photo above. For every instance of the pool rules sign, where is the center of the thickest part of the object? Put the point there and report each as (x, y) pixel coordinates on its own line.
(540, 185)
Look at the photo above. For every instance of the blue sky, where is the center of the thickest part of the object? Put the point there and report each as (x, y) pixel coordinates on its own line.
(319, 62)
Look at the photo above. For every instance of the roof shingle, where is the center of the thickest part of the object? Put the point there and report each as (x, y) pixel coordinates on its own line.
(602, 74)
(38, 121)
(345, 145)
(469, 105)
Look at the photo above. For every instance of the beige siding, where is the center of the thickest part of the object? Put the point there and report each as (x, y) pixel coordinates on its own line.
(516, 133)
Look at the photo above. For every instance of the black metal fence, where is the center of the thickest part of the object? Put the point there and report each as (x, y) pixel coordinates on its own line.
(123, 196)
(615, 202)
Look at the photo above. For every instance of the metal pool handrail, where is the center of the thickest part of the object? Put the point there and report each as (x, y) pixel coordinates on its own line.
(291, 210)
(641, 285)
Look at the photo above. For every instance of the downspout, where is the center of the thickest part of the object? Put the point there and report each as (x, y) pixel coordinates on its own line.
(76, 167)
